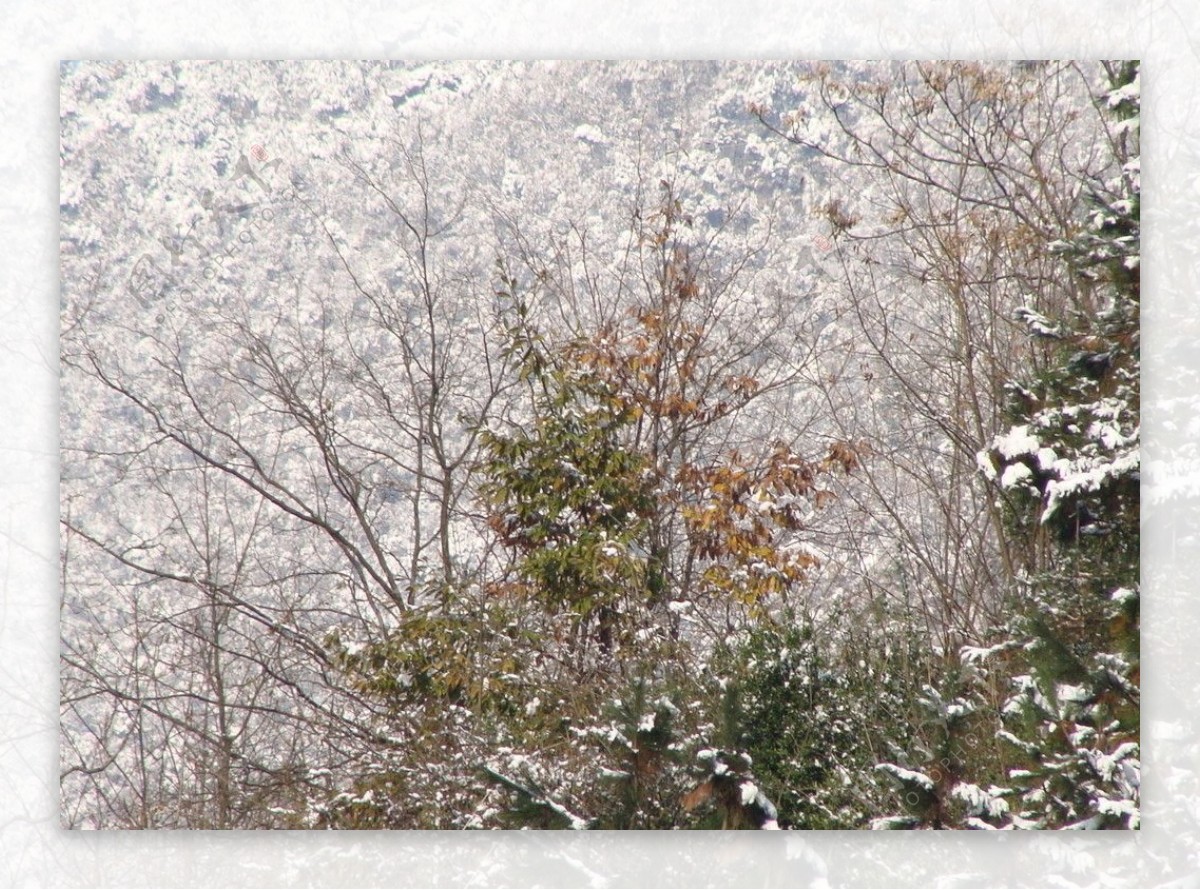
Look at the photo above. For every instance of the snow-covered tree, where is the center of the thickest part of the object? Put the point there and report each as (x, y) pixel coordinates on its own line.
(942, 186)
(815, 704)
(1069, 469)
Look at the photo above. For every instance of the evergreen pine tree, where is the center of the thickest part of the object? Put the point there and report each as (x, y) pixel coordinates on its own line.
(1068, 469)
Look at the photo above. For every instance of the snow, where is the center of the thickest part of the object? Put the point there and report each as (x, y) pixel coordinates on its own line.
(959, 708)
(591, 134)
(983, 461)
(1037, 323)
(749, 793)
(1131, 92)
(1047, 459)
(892, 823)
(1107, 765)
(975, 654)
(906, 776)
(1015, 474)
(576, 823)
(1124, 809)
(1123, 595)
(1017, 442)
(981, 803)
(1069, 693)
(1089, 476)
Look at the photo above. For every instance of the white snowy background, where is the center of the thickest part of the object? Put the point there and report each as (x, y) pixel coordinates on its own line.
(34, 851)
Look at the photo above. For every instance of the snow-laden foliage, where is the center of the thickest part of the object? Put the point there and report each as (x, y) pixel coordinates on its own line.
(1073, 717)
